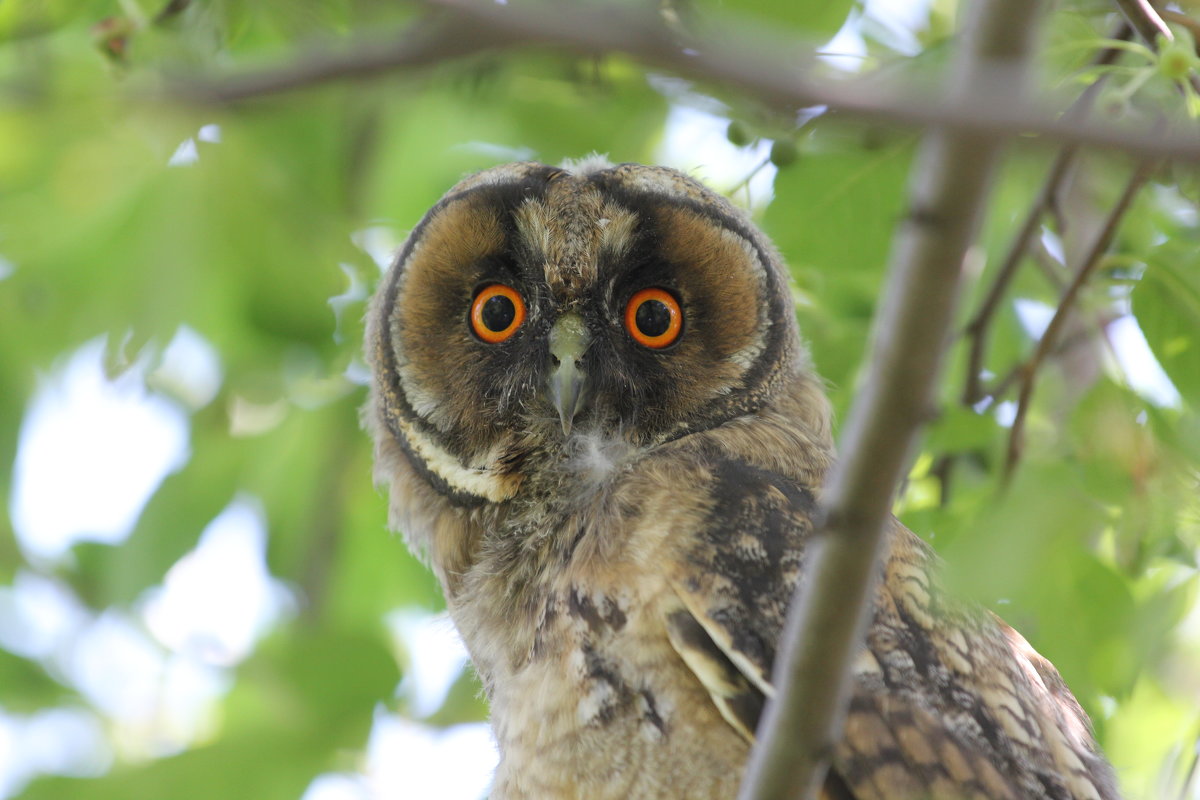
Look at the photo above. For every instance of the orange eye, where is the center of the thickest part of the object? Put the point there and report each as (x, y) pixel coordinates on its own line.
(496, 313)
(653, 318)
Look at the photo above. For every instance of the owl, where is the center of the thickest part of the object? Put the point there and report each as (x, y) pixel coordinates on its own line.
(596, 420)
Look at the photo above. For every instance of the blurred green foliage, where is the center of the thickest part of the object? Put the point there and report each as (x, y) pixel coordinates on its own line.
(1091, 551)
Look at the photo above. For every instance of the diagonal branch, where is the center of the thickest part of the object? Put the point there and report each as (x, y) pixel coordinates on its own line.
(1183, 20)
(834, 597)
(1145, 19)
(465, 27)
(1095, 255)
(978, 328)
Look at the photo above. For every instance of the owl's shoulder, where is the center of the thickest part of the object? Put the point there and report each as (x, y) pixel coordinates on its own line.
(945, 696)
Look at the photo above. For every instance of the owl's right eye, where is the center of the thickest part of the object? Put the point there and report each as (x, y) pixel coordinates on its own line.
(496, 313)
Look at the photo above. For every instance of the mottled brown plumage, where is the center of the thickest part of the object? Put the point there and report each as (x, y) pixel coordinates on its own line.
(618, 527)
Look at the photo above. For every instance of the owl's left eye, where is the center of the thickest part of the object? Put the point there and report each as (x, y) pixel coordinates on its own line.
(653, 318)
(497, 312)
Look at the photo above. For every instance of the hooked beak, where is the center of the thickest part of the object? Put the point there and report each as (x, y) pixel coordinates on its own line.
(569, 340)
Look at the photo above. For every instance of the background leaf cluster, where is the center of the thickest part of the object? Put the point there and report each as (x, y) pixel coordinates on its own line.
(1091, 551)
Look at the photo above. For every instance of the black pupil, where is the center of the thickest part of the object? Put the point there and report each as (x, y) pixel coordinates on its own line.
(653, 318)
(498, 313)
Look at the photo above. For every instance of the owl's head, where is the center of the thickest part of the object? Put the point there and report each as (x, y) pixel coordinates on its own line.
(536, 303)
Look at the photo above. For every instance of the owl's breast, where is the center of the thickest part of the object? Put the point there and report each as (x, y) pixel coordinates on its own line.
(604, 707)
(566, 616)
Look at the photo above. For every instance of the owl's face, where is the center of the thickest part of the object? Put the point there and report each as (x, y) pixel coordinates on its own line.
(534, 302)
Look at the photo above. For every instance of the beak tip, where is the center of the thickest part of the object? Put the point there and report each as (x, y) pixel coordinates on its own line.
(569, 340)
(567, 394)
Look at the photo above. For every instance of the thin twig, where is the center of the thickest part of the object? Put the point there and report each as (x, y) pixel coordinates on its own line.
(978, 328)
(1000, 387)
(1145, 20)
(1183, 20)
(745, 180)
(172, 9)
(771, 74)
(424, 43)
(1053, 270)
(826, 623)
(1094, 257)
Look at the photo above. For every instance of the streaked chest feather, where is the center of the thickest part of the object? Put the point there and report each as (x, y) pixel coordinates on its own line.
(603, 704)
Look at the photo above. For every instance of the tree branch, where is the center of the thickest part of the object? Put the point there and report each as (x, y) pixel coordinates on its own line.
(979, 327)
(1143, 17)
(1182, 20)
(751, 66)
(826, 623)
(1095, 254)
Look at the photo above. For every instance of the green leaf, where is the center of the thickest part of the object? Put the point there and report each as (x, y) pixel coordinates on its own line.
(324, 682)
(960, 429)
(833, 217)
(270, 765)
(19, 20)
(299, 703)
(813, 19)
(1166, 302)
(25, 686)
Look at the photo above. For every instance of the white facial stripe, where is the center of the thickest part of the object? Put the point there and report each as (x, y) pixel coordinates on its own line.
(480, 481)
